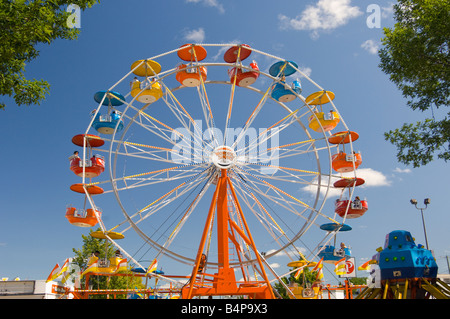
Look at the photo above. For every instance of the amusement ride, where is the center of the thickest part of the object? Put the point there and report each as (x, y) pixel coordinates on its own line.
(219, 165)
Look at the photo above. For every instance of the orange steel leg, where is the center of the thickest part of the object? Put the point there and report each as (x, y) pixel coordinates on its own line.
(224, 282)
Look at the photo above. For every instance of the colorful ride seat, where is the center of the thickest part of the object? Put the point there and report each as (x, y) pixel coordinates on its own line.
(102, 235)
(305, 292)
(191, 76)
(244, 77)
(106, 124)
(283, 68)
(110, 265)
(285, 93)
(81, 217)
(145, 68)
(91, 189)
(320, 98)
(141, 270)
(192, 52)
(112, 98)
(91, 140)
(327, 121)
(92, 168)
(341, 162)
(355, 208)
(343, 137)
(236, 52)
(330, 254)
(146, 93)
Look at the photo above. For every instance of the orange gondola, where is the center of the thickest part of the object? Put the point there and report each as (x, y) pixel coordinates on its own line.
(191, 52)
(355, 208)
(92, 168)
(343, 137)
(190, 76)
(342, 162)
(81, 217)
(91, 140)
(91, 189)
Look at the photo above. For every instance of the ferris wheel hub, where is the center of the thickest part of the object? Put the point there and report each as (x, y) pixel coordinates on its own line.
(223, 157)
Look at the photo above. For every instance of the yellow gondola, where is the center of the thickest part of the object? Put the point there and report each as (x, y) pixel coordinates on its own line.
(111, 234)
(149, 94)
(321, 120)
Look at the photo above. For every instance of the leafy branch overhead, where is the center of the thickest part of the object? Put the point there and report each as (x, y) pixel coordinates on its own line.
(415, 55)
(24, 25)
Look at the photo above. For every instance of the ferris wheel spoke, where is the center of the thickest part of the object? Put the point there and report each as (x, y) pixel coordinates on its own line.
(268, 222)
(231, 100)
(184, 218)
(207, 112)
(151, 124)
(265, 218)
(251, 118)
(168, 198)
(272, 131)
(275, 197)
(289, 175)
(283, 198)
(181, 114)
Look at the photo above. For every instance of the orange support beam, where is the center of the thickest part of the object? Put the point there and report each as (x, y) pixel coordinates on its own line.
(224, 281)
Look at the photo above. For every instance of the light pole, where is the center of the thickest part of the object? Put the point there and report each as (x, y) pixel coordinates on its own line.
(426, 202)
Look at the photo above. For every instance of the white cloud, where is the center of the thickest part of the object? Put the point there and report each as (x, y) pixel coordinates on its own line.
(209, 3)
(275, 265)
(306, 71)
(197, 36)
(399, 170)
(371, 177)
(386, 12)
(370, 46)
(325, 15)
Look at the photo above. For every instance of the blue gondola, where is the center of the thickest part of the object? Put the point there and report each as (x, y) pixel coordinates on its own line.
(333, 226)
(283, 68)
(282, 92)
(106, 124)
(141, 270)
(330, 254)
(109, 100)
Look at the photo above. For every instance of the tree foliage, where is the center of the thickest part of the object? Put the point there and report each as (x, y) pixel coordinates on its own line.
(307, 277)
(415, 55)
(24, 25)
(90, 245)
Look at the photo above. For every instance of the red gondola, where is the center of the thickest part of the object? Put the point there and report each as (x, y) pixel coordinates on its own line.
(92, 168)
(244, 77)
(356, 208)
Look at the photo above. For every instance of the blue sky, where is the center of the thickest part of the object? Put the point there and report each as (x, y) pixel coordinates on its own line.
(331, 42)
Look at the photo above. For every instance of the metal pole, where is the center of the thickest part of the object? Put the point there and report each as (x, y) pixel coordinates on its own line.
(424, 229)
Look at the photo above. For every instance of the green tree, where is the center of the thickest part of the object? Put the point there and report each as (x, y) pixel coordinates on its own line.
(90, 245)
(24, 25)
(415, 55)
(308, 277)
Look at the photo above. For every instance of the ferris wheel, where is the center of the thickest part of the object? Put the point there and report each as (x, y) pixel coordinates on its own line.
(212, 160)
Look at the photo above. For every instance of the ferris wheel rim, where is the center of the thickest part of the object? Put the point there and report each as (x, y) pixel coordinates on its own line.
(112, 168)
